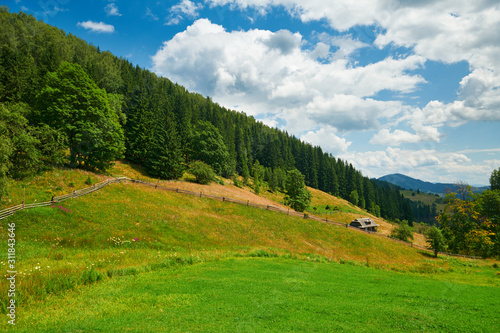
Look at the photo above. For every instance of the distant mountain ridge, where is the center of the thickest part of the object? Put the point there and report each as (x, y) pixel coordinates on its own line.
(427, 187)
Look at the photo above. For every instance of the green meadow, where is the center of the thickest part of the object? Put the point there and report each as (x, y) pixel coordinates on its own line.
(134, 258)
(269, 295)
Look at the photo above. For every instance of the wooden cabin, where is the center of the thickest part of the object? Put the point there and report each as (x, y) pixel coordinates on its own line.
(365, 223)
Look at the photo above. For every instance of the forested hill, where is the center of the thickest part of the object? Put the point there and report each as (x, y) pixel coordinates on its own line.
(60, 94)
(427, 187)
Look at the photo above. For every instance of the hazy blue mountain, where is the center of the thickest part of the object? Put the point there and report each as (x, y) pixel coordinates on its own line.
(426, 187)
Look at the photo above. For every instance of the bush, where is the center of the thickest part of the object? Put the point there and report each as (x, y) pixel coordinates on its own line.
(402, 232)
(203, 172)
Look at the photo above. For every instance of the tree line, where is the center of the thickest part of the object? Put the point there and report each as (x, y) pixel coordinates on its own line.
(65, 102)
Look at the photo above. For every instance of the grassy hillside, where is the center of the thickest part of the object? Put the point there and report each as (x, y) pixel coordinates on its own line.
(129, 230)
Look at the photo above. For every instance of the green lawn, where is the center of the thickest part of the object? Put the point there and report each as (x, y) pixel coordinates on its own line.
(268, 295)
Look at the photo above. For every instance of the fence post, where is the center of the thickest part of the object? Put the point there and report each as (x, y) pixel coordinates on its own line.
(200, 194)
(223, 199)
(248, 202)
(52, 200)
(267, 207)
(177, 190)
(288, 213)
(23, 204)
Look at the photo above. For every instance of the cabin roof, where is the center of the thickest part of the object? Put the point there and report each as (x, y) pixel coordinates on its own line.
(364, 222)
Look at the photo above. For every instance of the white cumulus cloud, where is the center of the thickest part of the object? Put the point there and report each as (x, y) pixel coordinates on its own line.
(446, 31)
(427, 164)
(265, 72)
(112, 10)
(97, 26)
(327, 139)
(316, 90)
(185, 8)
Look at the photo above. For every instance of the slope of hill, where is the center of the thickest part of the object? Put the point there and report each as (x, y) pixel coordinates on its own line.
(154, 121)
(427, 187)
(127, 230)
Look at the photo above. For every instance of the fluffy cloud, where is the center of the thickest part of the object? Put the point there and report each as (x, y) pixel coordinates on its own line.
(447, 31)
(425, 164)
(112, 10)
(351, 112)
(97, 26)
(327, 139)
(341, 15)
(185, 8)
(320, 93)
(399, 137)
(264, 72)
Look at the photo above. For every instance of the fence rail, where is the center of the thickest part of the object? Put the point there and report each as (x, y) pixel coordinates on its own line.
(96, 187)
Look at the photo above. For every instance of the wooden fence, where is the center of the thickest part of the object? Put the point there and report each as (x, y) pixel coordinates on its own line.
(96, 187)
(75, 194)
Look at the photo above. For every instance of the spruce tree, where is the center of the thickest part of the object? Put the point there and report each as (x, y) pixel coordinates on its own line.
(164, 159)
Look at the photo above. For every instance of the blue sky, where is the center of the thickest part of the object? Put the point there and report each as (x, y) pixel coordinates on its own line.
(391, 86)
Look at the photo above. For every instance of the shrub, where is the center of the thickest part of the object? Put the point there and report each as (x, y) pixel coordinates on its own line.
(402, 232)
(203, 172)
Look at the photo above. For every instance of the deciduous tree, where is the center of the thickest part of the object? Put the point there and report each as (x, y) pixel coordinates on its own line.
(72, 103)
(297, 195)
(436, 240)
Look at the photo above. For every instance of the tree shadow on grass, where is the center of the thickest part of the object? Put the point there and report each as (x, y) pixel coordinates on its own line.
(426, 254)
(137, 169)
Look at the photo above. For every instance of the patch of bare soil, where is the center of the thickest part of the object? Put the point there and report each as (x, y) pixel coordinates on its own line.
(228, 191)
